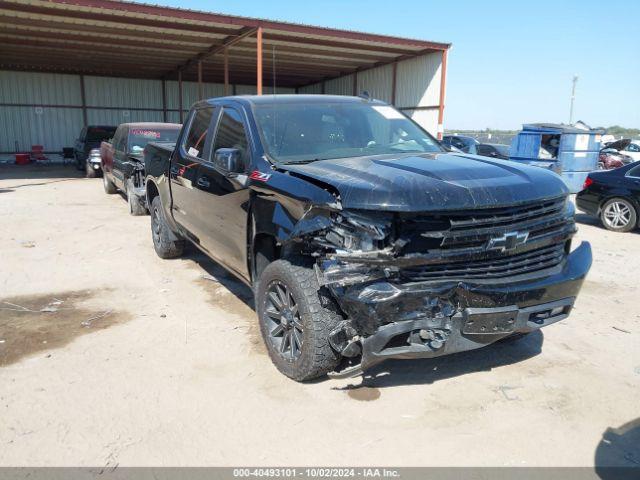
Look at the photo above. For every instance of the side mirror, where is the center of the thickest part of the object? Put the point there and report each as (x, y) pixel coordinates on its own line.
(228, 160)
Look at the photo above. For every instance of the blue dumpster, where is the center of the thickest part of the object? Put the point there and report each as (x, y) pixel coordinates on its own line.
(569, 151)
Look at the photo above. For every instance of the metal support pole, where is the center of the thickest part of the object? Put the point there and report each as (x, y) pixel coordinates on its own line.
(259, 61)
(83, 98)
(180, 94)
(355, 84)
(164, 100)
(394, 82)
(200, 89)
(443, 81)
(226, 71)
(573, 97)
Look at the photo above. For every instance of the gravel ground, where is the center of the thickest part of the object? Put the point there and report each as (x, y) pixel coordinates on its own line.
(112, 356)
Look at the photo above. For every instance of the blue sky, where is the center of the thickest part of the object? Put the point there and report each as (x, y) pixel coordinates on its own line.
(511, 62)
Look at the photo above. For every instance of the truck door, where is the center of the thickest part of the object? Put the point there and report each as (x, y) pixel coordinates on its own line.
(120, 156)
(193, 149)
(224, 197)
(107, 160)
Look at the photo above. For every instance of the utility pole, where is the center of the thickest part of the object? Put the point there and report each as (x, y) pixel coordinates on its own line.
(573, 97)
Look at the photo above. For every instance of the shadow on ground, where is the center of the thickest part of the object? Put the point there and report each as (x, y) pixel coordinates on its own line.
(430, 370)
(45, 173)
(218, 274)
(392, 372)
(585, 219)
(618, 453)
(588, 220)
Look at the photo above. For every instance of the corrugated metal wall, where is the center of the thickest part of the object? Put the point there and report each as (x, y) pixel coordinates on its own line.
(112, 101)
(339, 86)
(21, 127)
(417, 85)
(46, 107)
(418, 81)
(378, 82)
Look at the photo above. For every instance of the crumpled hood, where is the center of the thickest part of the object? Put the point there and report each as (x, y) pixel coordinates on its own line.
(447, 181)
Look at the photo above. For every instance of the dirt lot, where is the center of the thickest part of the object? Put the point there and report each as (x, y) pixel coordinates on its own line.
(112, 356)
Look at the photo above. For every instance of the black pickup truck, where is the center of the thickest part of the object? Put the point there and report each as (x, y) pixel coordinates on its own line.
(362, 237)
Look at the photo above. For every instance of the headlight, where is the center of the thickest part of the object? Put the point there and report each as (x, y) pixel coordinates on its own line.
(569, 207)
(357, 232)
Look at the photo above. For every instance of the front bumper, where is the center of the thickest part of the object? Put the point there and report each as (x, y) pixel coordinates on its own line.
(94, 164)
(422, 320)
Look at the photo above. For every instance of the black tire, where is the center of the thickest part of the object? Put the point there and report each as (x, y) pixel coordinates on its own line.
(109, 187)
(618, 215)
(79, 165)
(314, 356)
(136, 207)
(91, 172)
(165, 242)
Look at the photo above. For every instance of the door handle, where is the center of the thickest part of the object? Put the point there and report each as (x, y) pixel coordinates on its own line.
(203, 182)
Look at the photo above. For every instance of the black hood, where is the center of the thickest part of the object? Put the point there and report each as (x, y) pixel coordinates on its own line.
(447, 181)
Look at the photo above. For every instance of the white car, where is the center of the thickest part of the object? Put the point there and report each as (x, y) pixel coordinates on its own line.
(633, 150)
(625, 146)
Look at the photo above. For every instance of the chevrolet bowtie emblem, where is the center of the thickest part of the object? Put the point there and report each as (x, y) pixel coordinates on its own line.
(508, 241)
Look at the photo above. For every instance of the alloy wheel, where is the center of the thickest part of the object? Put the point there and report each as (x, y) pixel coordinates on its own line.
(282, 318)
(617, 215)
(156, 228)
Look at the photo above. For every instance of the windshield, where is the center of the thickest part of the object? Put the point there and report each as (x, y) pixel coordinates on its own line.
(97, 134)
(304, 132)
(139, 137)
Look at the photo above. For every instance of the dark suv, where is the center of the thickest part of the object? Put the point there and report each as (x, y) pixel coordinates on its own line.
(90, 138)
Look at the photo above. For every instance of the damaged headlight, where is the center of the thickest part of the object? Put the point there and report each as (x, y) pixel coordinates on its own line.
(358, 232)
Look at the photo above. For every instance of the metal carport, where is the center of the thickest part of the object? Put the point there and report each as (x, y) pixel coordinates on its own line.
(187, 55)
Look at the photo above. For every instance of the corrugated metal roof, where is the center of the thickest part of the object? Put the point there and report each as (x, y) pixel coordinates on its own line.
(126, 39)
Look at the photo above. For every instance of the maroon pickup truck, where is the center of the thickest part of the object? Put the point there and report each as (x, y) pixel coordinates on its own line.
(123, 162)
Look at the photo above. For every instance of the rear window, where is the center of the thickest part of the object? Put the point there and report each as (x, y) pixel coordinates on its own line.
(98, 134)
(139, 137)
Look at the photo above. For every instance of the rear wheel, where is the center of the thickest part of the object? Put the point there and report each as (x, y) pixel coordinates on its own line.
(295, 326)
(109, 187)
(165, 242)
(618, 215)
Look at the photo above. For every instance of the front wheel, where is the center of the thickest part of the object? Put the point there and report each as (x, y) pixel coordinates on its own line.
(136, 207)
(109, 187)
(91, 172)
(295, 326)
(618, 215)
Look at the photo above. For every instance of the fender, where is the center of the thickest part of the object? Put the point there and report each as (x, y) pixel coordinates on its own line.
(161, 185)
(287, 206)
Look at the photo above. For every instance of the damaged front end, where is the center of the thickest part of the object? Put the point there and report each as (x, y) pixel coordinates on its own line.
(413, 285)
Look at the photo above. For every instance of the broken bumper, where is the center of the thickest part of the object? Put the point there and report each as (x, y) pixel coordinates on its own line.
(427, 319)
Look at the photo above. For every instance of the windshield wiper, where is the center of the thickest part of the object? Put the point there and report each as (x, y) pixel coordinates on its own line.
(301, 162)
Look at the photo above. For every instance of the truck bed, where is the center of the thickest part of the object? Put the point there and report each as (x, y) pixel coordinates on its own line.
(157, 156)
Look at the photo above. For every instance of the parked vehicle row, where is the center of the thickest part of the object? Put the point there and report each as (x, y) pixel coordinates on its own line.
(362, 238)
(89, 139)
(471, 145)
(123, 163)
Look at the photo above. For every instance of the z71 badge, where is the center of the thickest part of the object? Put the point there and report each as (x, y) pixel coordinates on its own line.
(259, 176)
